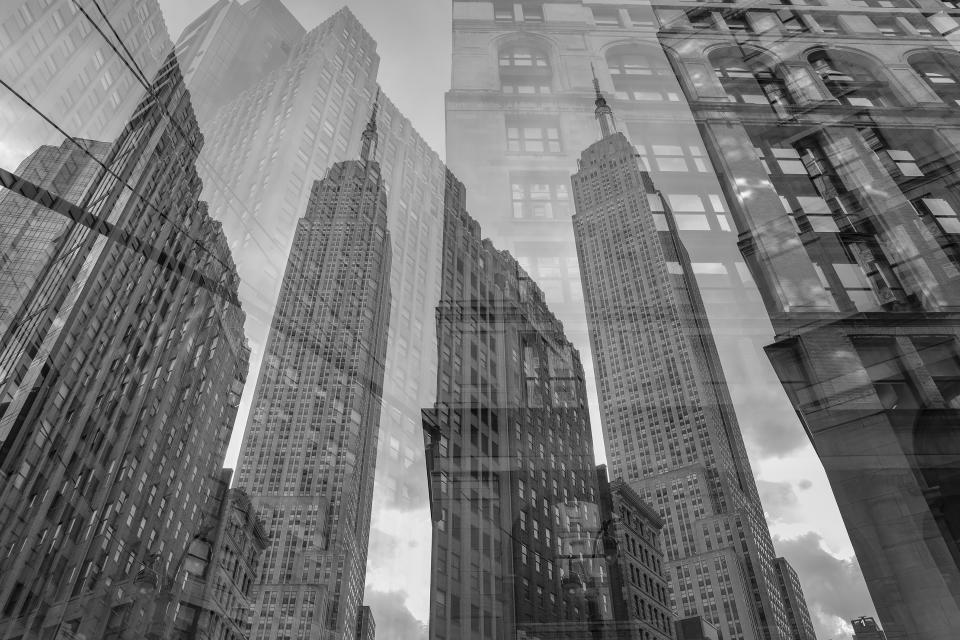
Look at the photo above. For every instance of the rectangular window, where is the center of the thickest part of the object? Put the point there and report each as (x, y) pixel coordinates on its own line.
(942, 212)
(606, 17)
(532, 13)
(541, 136)
(539, 196)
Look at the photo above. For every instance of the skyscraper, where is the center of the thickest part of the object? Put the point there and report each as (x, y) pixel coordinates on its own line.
(834, 135)
(309, 450)
(668, 422)
(222, 567)
(120, 378)
(30, 230)
(56, 60)
(231, 47)
(798, 616)
(520, 111)
(513, 488)
(267, 146)
(639, 591)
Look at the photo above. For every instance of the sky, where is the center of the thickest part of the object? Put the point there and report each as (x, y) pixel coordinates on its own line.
(414, 43)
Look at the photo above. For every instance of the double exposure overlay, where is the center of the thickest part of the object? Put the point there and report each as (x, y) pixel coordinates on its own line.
(479, 320)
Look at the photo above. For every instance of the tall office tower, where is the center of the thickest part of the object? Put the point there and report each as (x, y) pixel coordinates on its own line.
(30, 230)
(865, 628)
(791, 593)
(120, 378)
(52, 55)
(509, 453)
(267, 147)
(231, 47)
(836, 144)
(309, 450)
(639, 590)
(222, 567)
(519, 112)
(668, 422)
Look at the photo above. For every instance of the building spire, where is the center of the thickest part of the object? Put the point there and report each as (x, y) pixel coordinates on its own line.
(603, 111)
(368, 147)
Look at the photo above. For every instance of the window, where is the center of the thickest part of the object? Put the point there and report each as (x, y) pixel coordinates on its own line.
(781, 160)
(942, 212)
(748, 82)
(667, 157)
(503, 11)
(641, 16)
(525, 71)
(827, 23)
(539, 196)
(881, 359)
(692, 213)
(939, 74)
(532, 13)
(939, 355)
(642, 76)
(887, 26)
(523, 57)
(533, 137)
(856, 285)
(606, 17)
(852, 80)
(905, 162)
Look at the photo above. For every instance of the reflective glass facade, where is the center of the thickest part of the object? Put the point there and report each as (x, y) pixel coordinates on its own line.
(617, 319)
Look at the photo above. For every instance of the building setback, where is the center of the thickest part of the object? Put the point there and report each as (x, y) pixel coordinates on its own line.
(120, 379)
(268, 144)
(222, 565)
(836, 144)
(639, 590)
(798, 616)
(309, 450)
(509, 453)
(668, 420)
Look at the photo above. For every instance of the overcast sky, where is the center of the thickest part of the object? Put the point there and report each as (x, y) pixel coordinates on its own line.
(413, 39)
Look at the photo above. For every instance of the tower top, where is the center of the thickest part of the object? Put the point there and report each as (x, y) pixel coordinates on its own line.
(603, 111)
(368, 147)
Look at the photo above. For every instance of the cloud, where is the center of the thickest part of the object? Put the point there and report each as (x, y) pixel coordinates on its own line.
(804, 484)
(779, 500)
(833, 587)
(393, 619)
(776, 438)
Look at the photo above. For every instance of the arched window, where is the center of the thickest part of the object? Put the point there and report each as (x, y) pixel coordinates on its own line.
(853, 80)
(639, 74)
(941, 72)
(525, 70)
(749, 79)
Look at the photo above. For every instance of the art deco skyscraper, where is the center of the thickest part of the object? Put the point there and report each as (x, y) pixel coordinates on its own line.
(120, 377)
(309, 450)
(267, 146)
(670, 429)
(513, 484)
